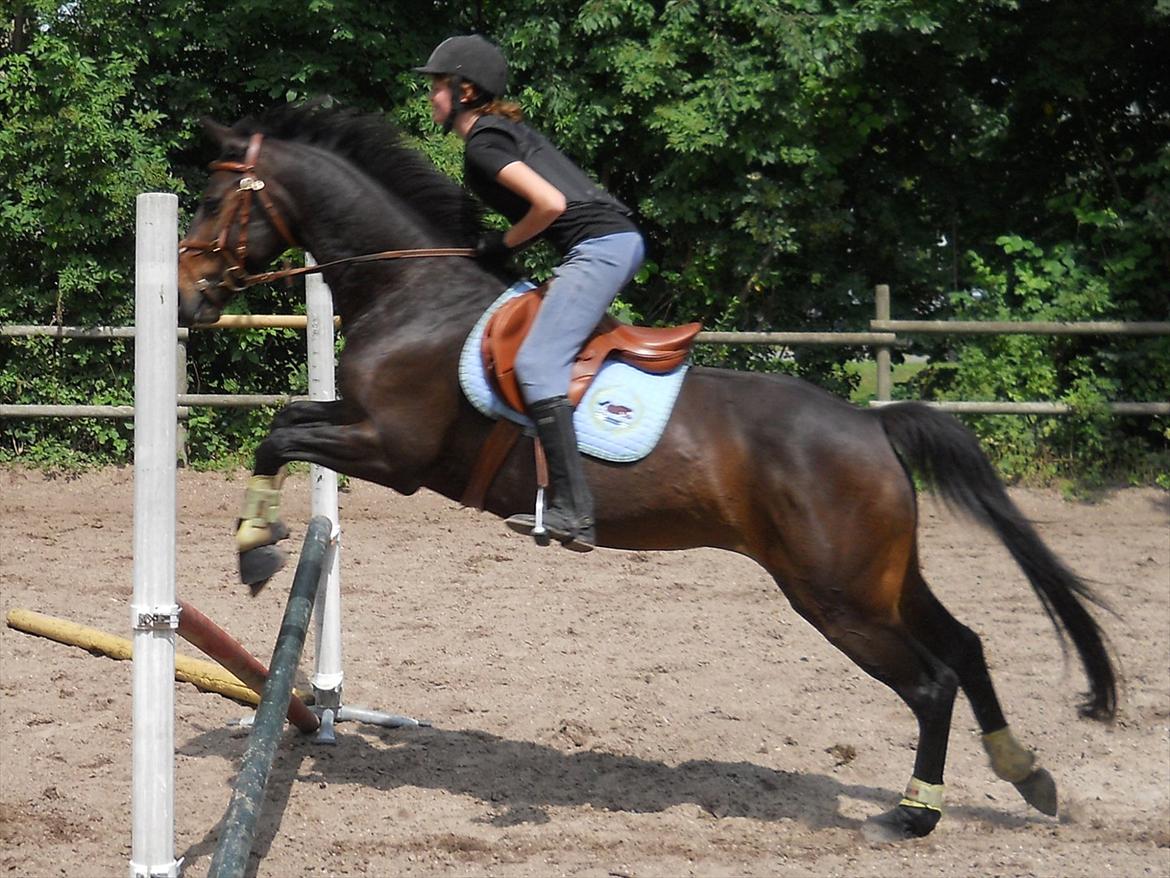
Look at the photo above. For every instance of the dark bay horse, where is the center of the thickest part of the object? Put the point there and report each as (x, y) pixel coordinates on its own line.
(817, 491)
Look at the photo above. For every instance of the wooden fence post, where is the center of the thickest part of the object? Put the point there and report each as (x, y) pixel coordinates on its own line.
(882, 357)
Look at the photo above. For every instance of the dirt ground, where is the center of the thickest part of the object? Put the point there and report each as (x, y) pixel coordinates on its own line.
(616, 714)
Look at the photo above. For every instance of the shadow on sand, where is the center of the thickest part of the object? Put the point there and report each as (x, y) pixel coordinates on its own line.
(519, 780)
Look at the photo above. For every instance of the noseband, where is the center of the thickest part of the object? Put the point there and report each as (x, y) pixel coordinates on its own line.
(237, 208)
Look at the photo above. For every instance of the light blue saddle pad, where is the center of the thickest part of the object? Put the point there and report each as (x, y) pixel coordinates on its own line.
(622, 415)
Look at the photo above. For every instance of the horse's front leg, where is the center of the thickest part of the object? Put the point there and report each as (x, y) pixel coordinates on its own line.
(301, 431)
(259, 525)
(307, 412)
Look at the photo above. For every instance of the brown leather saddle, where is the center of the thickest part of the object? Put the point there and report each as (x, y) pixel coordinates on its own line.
(648, 348)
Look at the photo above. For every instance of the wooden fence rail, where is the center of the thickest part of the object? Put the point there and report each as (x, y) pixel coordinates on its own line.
(1019, 327)
(883, 323)
(884, 335)
(1035, 408)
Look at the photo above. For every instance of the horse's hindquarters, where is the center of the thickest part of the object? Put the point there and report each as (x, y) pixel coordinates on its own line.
(763, 465)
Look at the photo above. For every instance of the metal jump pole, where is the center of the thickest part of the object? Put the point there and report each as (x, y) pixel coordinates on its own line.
(329, 674)
(154, 612)
(239, 823)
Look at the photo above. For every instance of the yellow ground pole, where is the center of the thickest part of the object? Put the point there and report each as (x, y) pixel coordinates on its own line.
(207, 676)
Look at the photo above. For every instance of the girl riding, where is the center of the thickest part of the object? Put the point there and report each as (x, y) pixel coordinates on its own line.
(543, 194)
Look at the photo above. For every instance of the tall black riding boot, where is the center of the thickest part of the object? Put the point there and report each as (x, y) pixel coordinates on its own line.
(569, 516)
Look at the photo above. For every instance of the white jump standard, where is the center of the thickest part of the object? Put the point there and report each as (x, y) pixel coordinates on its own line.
(329, 675)
(155, 610)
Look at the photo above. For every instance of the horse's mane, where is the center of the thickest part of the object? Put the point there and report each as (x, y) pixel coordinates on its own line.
(377, 147)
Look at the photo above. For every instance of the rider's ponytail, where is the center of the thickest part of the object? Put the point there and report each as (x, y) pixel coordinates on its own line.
(508, 109)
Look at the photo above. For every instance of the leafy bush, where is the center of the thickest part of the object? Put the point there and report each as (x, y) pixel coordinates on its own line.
(1085, 372)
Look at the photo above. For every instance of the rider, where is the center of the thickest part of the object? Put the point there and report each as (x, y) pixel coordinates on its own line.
(519, 173)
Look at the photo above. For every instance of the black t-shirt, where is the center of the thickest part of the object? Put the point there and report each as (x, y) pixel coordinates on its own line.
(495, 142)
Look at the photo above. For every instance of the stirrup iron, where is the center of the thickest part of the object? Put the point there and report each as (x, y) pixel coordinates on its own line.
(538, 531)
(540, 534)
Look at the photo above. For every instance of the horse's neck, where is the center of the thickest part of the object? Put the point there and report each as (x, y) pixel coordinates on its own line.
(343, 214)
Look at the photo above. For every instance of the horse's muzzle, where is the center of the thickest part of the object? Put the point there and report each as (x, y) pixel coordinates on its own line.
(195, 309)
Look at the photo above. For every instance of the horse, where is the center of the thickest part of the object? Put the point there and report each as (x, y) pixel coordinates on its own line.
(819, 492)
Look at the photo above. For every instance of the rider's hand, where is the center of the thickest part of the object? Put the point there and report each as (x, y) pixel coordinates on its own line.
(491, 247)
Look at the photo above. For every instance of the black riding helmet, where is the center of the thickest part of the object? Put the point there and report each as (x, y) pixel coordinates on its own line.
(468, 59)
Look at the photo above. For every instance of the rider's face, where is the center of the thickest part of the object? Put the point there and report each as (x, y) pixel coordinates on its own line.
(440, 99)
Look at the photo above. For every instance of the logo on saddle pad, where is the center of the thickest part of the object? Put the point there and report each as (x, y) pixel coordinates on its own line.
(621, 416)
(617, 408)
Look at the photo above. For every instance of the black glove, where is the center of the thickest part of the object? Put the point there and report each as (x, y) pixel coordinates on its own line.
(491, 247)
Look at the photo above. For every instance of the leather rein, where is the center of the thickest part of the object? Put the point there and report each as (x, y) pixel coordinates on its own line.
(238, 206)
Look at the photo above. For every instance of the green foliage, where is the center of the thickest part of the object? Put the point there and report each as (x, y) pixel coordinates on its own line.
(783, 156)
(1030, 283)
(249, 361)
(865, 372)
(76, 147)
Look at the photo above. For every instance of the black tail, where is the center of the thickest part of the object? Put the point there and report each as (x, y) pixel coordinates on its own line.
(946, 455)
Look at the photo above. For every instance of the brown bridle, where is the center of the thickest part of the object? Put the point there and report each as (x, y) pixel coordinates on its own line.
(237, 206)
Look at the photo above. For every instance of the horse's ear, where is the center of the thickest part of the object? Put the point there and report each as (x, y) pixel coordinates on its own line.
(221, 134)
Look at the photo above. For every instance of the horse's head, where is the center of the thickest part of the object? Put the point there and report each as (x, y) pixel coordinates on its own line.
(237, 230)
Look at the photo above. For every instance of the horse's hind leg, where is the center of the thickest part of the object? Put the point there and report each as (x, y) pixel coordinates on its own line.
(881, 645)
(961, 649)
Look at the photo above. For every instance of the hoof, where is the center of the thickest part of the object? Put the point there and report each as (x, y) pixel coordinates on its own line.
(900, 824)
(579, 544)
(258, 565)
(1039, 791)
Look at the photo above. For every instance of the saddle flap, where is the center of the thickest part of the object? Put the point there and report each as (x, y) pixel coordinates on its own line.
(502, 338)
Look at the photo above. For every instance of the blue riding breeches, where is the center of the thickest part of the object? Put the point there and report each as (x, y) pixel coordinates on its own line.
(582, 289)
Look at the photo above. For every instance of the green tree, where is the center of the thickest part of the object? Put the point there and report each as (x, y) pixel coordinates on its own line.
(76, 146)
(783, 157)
